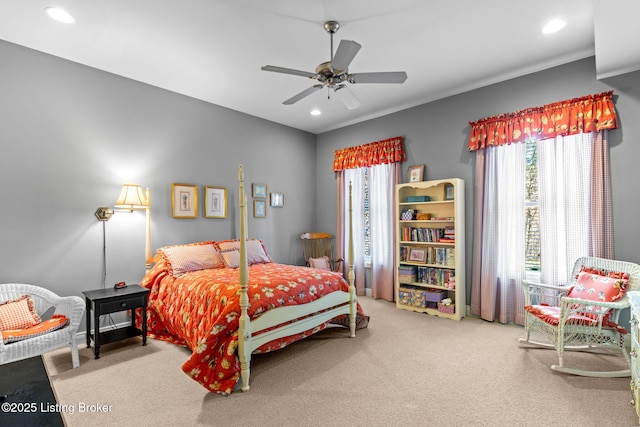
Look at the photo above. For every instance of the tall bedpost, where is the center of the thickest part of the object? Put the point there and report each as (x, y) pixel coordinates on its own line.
(244, 330)
(351, 275)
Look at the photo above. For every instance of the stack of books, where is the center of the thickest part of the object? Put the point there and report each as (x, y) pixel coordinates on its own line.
(449, 235)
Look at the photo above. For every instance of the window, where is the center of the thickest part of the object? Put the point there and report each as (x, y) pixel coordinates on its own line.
(532, 210)
(539, 227)
(369, 172)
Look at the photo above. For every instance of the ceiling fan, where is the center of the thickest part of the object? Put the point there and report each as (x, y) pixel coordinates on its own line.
(334, 74)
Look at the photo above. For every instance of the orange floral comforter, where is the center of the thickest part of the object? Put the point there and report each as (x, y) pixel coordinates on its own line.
(201, 310)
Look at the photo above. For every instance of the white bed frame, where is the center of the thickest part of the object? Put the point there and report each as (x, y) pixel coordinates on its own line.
(334, 304)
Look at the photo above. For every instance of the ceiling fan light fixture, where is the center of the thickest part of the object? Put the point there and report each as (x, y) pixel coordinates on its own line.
(60, 15)
(347, 97)
(315, 112)
(332, 74)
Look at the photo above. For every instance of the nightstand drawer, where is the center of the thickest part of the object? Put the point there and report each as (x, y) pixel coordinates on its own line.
(123, 304)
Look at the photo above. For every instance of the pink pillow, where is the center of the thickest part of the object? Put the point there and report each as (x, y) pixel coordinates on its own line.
(256, 252)
(321, 263)
(596, 287)
(185, 258)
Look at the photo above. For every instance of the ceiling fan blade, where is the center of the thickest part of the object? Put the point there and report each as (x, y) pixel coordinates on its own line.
(289, 71)
(347, 50)
(348, 98)
(302, 94)
(384, 77)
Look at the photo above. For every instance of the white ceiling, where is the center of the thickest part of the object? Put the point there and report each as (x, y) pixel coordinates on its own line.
(213, 49)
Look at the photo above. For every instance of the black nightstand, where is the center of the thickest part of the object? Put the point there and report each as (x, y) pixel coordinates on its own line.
(109, 300)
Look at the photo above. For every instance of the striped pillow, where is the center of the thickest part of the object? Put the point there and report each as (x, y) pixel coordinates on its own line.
(256, 252)
(182, 259)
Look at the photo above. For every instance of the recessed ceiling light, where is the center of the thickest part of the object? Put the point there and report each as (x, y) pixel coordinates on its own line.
(315, 112)
(554, 26)
(60, 15)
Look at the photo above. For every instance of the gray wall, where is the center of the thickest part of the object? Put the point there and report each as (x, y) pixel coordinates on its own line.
(72, 135)
(436, 135)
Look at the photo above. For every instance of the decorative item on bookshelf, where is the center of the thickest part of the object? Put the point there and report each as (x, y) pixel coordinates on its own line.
(416, 173)
(411, 199)
(417, 255)
(448, 192)
(408, 214)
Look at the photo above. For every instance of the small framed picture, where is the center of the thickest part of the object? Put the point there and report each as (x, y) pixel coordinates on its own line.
(215, 202)
(417, 255)
(259, 190)
(448, 192)
(259, 208)
(184, 200)
(416, 173)
(277, 200)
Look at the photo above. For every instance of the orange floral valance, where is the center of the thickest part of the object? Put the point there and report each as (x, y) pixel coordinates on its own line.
(580, 115)
(375, 153)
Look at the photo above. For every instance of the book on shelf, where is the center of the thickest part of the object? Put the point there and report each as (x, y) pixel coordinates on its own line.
(435, 276)
(424, 234)
(441, 256)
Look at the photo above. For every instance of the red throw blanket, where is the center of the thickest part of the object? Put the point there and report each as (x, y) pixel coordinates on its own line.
(201, 310)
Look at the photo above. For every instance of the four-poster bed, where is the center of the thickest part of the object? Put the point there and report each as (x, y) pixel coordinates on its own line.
(226, 300)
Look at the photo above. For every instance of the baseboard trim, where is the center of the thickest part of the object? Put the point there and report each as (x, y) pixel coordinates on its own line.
(82, 335)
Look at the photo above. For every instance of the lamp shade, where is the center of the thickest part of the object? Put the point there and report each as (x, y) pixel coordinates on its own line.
(131, 198)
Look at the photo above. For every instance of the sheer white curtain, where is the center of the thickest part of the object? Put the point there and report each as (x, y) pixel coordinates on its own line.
(382, 181)
(382, 186)
(564, 184)
(575, 218)
(499, 261)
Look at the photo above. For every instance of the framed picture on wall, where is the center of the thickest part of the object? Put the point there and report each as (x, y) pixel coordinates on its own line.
(277, 200)
(259, 190)
(416, 173)
(215, 202)
(184, 200)
(259, 208)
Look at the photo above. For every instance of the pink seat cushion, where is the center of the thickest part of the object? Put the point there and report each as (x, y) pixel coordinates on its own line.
(551, 315)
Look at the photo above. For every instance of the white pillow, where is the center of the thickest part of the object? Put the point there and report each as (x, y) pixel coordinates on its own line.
(321, 263)
(231, 258)
(182, 259)
(256, 253)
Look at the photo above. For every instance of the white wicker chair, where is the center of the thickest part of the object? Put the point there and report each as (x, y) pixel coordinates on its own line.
(43, 299)
(571, 333)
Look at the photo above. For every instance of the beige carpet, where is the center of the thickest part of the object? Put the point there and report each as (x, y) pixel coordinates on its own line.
(405, 369)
